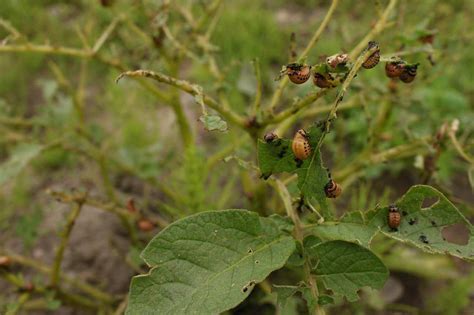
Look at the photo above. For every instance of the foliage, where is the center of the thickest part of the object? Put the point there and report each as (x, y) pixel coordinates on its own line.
(83, 126)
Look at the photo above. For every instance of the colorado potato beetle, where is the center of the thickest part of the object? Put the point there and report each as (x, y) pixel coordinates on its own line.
(323, 81)
(298, 73)
(394, 217)
(409, 73)
(332, 189)
(374, 58)
(394, 69)
(300, 146)
(270, 137)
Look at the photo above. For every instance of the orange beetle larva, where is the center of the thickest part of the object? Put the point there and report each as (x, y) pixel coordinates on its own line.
(300, 146)
(394, 217)
(374, 58)
(332, 189)
(298, 73)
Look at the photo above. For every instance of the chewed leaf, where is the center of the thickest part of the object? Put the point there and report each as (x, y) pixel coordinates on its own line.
(346, 267)
(351, 228)
(312, 176)
(209, 262)
(275, 157)
(213, 122)
(422, 225)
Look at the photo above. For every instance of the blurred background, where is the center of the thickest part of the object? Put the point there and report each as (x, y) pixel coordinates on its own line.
(138, 155)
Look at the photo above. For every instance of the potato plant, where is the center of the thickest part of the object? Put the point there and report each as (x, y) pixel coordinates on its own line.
(252, 167)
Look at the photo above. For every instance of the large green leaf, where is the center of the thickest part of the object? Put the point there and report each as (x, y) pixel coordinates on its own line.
(346, 267)
(352, 227)
(209, 262)
(422, 226)
(20, 157)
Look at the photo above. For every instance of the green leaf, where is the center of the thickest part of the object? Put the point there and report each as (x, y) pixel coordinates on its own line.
(213, 122)
(325, 300)
(422, 226)
(21, 156)
(312, 176)
(275, 157)
(208, 263)
(347, 267)
(352, 227)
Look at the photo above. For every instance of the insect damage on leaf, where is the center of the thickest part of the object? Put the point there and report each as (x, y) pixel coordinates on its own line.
(422, 225)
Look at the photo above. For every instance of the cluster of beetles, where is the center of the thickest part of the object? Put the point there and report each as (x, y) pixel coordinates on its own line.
(329, 74)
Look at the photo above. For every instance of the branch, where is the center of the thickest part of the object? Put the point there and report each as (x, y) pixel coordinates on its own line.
(189, 88)
(281, 86)
(298, 234)
(379, 27)
(295, 108)
(71, 220)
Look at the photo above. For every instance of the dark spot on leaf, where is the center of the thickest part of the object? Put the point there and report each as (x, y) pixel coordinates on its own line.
(265, 176)
(457, 234)
(458, 251)
(433, 223)
(257, 262)
(282, 152)
(248, 286)
(404, 212)
(298, 163)
(423, 239)
(412, 221)
(250, 251)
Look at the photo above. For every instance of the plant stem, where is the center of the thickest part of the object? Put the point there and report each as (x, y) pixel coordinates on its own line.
(84, 287)
(298, 234)
(56, 270)
(379, 27)
(284, 82)
(190, 89)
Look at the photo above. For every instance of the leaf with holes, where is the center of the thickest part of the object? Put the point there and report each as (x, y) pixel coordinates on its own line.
(352, 227)
(209, 262)
(275, 157)
(20, 157)
(346, 267)
(423, 226)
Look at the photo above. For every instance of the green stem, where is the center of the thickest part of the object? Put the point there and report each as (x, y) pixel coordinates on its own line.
(298, 234)
(284, 82)
(56, 270)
